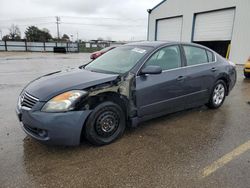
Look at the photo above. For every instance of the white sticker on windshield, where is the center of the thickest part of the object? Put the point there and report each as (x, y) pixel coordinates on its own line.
(139, 50)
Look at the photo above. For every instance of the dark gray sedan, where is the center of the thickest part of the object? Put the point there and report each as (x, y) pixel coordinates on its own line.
(125, 86)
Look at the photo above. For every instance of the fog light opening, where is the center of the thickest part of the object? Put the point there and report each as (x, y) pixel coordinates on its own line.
(42, 133)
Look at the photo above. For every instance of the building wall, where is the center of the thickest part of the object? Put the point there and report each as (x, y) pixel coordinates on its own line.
(240, 45)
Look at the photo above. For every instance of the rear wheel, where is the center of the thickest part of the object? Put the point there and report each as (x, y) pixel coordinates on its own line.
(218, 95)
(105, 124)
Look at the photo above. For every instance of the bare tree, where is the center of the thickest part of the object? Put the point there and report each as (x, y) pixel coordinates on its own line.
(15, 33)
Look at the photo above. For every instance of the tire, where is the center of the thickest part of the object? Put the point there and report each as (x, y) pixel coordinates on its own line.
(246, 74)
(105, 124)
(218, 95)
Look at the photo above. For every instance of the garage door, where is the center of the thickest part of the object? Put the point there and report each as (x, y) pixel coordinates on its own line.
(214, 26)
(169, 29)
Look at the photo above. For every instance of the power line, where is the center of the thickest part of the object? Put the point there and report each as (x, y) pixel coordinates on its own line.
(104, 18)
(102, 25)
(25, 25)
(26, 19)
(70, 17)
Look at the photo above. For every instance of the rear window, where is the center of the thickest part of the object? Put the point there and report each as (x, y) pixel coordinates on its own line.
(195, 55)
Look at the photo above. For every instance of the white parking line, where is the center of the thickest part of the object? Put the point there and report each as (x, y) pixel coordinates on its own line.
(225, 159)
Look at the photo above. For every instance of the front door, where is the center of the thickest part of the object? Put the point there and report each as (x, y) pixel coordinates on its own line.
(162, 93)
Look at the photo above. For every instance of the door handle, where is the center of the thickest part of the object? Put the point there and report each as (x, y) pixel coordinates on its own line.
(180, 78)
(213, 69)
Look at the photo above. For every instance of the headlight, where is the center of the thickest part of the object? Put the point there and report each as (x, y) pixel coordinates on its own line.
(63, 102)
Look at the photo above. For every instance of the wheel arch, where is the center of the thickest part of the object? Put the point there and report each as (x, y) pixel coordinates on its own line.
(225, 79)
(117, 98)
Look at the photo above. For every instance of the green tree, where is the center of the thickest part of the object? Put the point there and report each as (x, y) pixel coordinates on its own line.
(6, 37)
(65, 38)
(34, 34)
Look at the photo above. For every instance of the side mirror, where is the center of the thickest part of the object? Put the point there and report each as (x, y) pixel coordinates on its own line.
(151, 70)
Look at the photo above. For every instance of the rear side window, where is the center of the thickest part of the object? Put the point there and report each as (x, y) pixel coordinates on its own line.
(195, 55)
(210, 56)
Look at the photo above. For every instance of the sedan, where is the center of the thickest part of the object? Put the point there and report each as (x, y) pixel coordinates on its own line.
(130, 84)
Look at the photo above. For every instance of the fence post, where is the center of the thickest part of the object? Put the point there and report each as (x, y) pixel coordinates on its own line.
(78, 47)
(44, 47)
(26, 48)
(67, 44)
(5, 44)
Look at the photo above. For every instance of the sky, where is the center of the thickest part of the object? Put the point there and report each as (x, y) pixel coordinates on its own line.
(122, 20)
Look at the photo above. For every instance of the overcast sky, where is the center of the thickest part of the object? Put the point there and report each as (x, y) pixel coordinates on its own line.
(113, 19)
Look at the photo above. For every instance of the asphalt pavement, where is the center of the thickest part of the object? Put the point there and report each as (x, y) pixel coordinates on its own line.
(194, 148)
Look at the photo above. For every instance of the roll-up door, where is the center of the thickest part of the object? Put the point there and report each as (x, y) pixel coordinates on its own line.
(214, 26)
(169, 29)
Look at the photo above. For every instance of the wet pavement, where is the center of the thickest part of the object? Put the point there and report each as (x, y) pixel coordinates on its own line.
(171, 151)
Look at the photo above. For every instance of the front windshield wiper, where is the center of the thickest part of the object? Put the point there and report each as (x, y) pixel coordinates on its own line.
(101, 71)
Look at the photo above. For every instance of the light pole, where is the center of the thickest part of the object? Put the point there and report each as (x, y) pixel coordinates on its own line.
(58, 19)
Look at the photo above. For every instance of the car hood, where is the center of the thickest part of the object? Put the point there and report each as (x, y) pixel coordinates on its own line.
(46, 87)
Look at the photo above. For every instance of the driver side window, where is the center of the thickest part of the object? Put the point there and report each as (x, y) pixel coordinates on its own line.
(167, 58)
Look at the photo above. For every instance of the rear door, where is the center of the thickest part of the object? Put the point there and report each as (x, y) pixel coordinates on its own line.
(162, 93)
(201, 70)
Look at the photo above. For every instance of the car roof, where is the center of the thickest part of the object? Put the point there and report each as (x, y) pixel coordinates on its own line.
(156, 44)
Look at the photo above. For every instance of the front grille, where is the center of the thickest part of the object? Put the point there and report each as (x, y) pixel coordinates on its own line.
(27, 100)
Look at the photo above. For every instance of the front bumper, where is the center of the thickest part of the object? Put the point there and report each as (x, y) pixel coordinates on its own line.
(247, 70)
(53, 128)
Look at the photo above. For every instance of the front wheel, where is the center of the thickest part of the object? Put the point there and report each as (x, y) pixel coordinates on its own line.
(105, 124)
(218, 95)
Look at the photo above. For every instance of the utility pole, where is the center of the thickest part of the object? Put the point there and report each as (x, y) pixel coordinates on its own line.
(58, 19)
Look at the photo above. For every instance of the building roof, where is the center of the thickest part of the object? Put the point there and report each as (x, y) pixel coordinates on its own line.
(158, 5)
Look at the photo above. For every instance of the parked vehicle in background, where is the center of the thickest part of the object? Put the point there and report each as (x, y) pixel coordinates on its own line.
(101, 52)
(130, 84)
(247, 69)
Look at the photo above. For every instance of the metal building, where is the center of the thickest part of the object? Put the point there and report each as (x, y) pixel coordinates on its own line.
(218, 24)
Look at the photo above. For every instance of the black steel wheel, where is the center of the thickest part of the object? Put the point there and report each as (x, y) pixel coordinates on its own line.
(105, 124)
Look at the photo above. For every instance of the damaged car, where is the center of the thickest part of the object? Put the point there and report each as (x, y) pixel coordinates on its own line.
(125, 86)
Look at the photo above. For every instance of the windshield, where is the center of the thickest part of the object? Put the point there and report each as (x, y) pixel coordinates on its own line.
(119, 60)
